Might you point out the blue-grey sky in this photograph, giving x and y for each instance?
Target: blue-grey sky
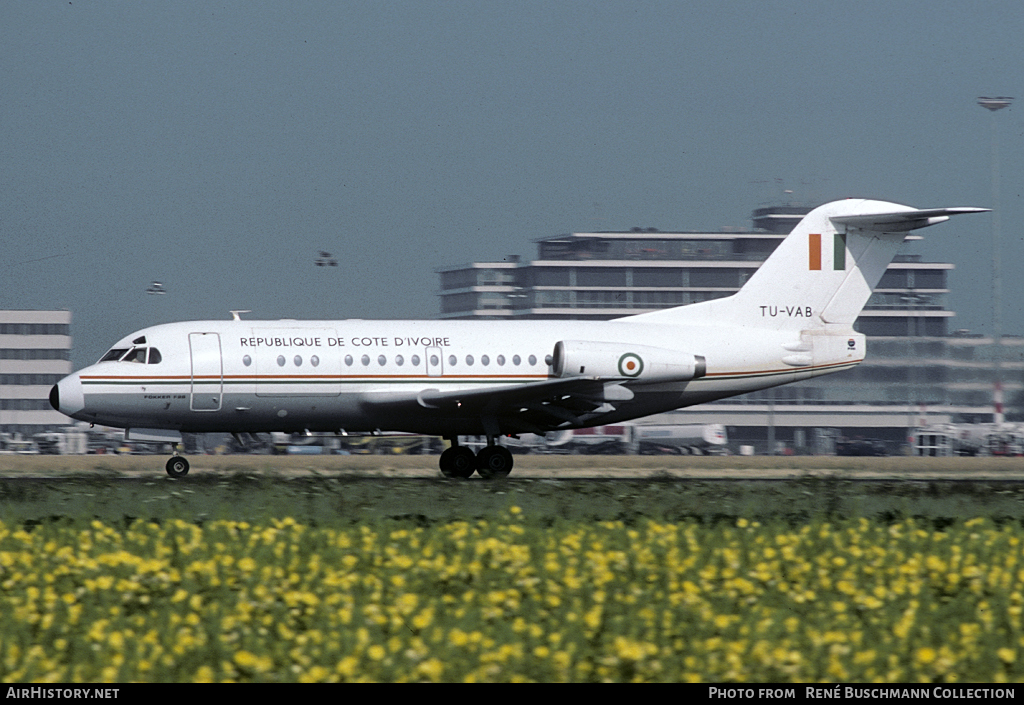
(217, 146)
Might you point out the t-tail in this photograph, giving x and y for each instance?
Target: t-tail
(821, 276)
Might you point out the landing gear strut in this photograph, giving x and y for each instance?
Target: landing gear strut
(177, 466)
(491, 462)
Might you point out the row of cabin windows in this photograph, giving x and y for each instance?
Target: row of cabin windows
(382, 360)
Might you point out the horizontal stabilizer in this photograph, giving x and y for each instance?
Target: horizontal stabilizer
(901, 221)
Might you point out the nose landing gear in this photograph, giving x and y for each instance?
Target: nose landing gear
(491, 462)
(177, 466)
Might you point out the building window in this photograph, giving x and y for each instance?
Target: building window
(551, 276)
(35, 354)
(657, 277)
(586, 276)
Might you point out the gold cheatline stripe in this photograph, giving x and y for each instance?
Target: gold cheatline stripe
(288, 379)
(234, 379)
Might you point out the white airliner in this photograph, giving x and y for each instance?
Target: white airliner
(791, 321)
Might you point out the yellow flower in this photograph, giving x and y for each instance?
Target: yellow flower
(347, 666)
(204, 674)
(432, 669)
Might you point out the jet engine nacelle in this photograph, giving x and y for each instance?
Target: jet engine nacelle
(581, 358)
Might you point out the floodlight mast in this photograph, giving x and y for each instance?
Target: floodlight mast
(994, 104)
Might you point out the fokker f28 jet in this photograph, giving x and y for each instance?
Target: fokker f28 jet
(791, 321)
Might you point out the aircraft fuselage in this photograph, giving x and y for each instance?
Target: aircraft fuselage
(256, 376)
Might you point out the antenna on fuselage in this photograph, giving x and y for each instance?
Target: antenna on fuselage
(236, 315)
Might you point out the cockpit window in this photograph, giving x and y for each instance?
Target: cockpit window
(133, 355)
(136, 355)
(114, 354)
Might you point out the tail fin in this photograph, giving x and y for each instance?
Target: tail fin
(822, 273)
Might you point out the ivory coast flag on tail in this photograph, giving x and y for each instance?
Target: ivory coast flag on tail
(838, 251)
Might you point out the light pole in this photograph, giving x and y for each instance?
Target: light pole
(993, 105)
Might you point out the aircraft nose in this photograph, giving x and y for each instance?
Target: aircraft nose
(67, 396)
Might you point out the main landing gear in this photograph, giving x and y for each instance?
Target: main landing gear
(177, 466)
(493, 461)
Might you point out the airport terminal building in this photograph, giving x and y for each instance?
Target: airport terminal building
(35, 352)
(919, 368)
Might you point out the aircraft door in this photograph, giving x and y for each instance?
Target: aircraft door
(435, 362)
(207, 371)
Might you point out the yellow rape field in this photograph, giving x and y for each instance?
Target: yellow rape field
(512, 600)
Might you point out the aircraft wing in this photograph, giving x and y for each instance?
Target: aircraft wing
(534, 407)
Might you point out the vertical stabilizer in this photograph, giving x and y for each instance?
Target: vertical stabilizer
(822, 273)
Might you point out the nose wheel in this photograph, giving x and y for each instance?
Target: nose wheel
(177, 466)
